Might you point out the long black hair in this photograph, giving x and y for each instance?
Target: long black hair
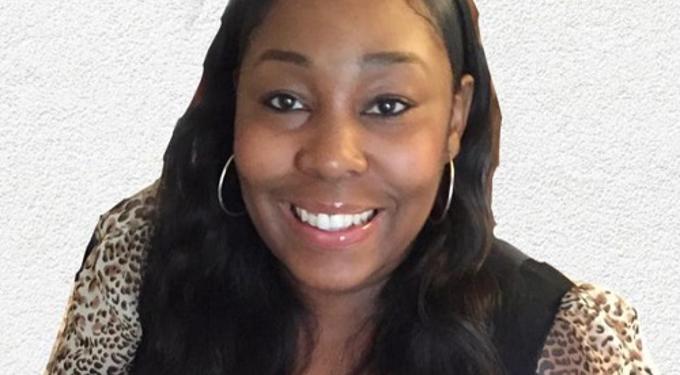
(213, 298)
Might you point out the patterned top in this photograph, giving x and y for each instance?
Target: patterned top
(594, 331)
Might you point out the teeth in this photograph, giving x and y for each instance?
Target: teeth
(333, 222)
(337, 222)
(347, 221)
(365, 216)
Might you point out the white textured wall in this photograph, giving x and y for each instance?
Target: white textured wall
(589, 176)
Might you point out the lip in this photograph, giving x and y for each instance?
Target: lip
(341, 240)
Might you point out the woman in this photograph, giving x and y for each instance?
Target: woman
(325, 208)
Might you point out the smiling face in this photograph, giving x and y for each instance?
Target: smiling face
(345, 120)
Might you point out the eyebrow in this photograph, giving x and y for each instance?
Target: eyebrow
(284, 56)
(385, 58)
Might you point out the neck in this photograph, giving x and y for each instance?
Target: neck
(339, 313)
(342, 327)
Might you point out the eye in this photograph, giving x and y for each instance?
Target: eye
(283, 102)
(389, 107)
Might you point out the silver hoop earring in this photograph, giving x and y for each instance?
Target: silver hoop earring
(219, 189)
(450, 194)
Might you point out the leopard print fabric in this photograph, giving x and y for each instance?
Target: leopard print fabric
(100, 330)
(594, 332)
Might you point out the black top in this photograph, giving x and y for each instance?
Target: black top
(531, 292)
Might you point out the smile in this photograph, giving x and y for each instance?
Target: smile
(333, 222)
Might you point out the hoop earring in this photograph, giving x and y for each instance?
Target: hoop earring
(450, 194)
(219, 190)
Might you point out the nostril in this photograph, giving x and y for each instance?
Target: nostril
(331, 163)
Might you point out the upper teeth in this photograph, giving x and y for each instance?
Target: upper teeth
(333, 222)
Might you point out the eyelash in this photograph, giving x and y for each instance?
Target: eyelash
(385, 99)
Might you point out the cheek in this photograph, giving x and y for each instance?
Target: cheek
(260, 155)
(412, 164)
(411, 170)
(262, 162)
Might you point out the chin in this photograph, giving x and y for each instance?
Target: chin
(325, 281)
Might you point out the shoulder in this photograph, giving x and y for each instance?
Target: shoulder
(100, 330)
(529, 296)
(131, 213)
(594, 331)
(563, 326)
(121, 237)
(531, 290)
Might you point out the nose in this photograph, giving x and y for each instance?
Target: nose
(333, 149)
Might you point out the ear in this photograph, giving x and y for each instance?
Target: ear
(460, 109)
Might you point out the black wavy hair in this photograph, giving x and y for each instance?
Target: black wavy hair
(214, 299)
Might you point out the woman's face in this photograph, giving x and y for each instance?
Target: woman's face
(345, 120)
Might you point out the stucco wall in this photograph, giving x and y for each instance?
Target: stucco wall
(589, 176)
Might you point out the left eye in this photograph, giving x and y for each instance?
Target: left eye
(388, 107)
(283, 102)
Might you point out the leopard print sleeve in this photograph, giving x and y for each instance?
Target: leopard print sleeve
(100, 330)
(594, 332)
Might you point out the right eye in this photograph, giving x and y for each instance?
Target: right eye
(283, 102)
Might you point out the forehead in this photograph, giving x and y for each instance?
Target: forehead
(333, 32)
